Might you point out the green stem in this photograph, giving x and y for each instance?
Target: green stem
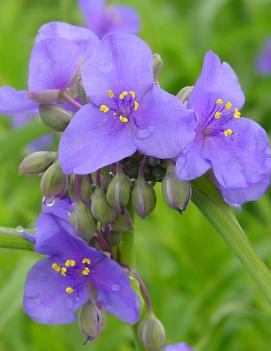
(10, 238)
(209, 201)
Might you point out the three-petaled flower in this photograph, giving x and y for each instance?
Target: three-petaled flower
(58, 285)
(235, 148)
(127, 111)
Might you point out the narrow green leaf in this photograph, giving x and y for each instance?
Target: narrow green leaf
(209, 201)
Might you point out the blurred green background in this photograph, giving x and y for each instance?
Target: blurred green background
(199, 289)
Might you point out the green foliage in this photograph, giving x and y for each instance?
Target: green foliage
(200, 291)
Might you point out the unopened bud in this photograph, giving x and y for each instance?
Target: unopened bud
(122, 223)
(157, 65)
(143, 198)
(184, 94)
(113, 238)
(55, 117)
(119, 190)
(91, 321)
(83, 221)
(152, 333)
(100, 208)
(37, 162)
(53, 181)
(177, 193)
(80, 188)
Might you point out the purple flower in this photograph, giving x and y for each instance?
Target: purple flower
(263, 60)
(178, 347)
(55, 61)
(235, 148)
(127, 111)
(59, 284)
(104, 19)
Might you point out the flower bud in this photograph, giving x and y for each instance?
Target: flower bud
(100, 208)
(53, 181)
(143, 198)
(122, 223)
(157, 65)
(46, 97)
(80, 188)
(177, 193)
(184, 94)
(152, 333)
(37, 162)
(113, 238)
(91, 321)
(118, 192)
(83, 221)
(55, 117)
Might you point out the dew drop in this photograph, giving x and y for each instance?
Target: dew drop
(49, 201)
(143, 133)
(19, 229)
(115, 287)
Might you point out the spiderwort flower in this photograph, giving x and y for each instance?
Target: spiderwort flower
(235, 148)
(56, 58)
(104, 19)
(58, 285)
(178, 347)
(126, 111)
(263, 60)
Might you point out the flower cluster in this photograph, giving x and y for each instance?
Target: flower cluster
(120, 134)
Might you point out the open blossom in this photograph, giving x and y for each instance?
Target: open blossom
(263, 60)
(235, 148)
(56, 58)
(103, 19)
(126, 110)
(178, 347)
(61, 283)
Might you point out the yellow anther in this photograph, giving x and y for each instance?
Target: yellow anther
(218, 115)
(56, 267)
(69, 290)
(86, 271)
(70, 263)
(136, 105)
(110, 93)
(86, 260)
(123, 119)
(228, 132)
(228, 105)
(219, 102)
(237, 113)
(132, 93)
(104, 108)
(63, 271)
(123, 95)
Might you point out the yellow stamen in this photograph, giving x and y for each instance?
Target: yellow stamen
(219, 102)
(123, 95)
(218, 115)
(123, 119)
(56, 267)
(86, 260)
(69, 290)
(132, 93)
(86, 271)
(110, 93)
(136, 105)
(237, 113)
(63, 271)
(70, 263)
(104, 108)
(228, 105)
(228, 132)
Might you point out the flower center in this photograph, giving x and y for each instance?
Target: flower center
(75, 271)
(123, 105)
(220, 114)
